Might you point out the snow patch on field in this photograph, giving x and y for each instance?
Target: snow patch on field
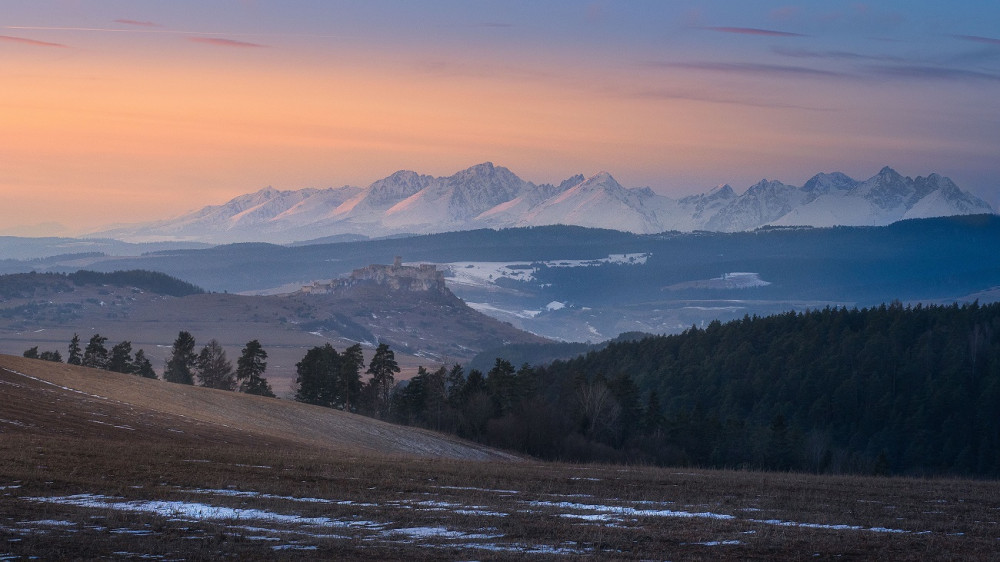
(194, 511)
(295, 530)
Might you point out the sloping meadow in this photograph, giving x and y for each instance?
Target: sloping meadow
(86, 471)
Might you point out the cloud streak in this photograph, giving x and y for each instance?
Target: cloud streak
(32, 42)
(704, 97)
(752, 68)
(833, 55)
(978, 39)
(137, 23)
(918, 72)
(754, 31)
(232, 43)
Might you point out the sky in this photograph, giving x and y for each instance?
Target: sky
(135, 110)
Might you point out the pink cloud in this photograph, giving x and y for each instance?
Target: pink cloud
(32, 42)
(754, 31)
(137, 22)
(219, 42)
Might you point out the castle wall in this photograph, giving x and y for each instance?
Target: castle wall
(396, 277)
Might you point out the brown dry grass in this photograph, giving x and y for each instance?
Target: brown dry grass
(504, 510)
(112, 404)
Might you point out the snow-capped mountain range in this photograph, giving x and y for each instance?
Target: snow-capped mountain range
(488, 196)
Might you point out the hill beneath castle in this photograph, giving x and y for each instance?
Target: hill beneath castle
(408, 308)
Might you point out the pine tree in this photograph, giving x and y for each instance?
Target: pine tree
(96, 355)
(317, 375)
(435, 397)
(250, 369)
(53, 356)
(31, 353)
(142, 367)
(182, 361)
(121, 358)
(349, 387)
(214, 370)
(382, 368)
(501, 384)
(75, 354)
(455, 383)
(652, 415)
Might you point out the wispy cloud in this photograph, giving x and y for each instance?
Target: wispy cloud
(220, 42)
(933, 73)
(836, 55)
(754, 31)
(713, 97)
(137, 23)
(32, 42)
(978, 39)
(752, 68)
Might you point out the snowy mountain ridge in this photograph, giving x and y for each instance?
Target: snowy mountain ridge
(488, 196)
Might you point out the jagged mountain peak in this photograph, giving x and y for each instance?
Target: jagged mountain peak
(886, 171)
(825, 183)
(603, 180)
(487, 195)
(262, 194)
(395, 187)
(887, 177)
(484, 170)
(571, 181)
(724, 191)
(766, 185)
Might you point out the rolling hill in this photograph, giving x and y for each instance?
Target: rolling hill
(53, 399)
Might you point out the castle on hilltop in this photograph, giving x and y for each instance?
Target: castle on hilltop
(396, 277)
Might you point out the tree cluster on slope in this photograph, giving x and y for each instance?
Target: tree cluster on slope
(331, 379)
(214, 370)
(210, 365)
(97, 356)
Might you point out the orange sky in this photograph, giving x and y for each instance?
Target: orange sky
(105, 127)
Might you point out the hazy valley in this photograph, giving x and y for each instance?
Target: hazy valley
(553, 281)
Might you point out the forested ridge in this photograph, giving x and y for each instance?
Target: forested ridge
(890, 389)
(24, 285)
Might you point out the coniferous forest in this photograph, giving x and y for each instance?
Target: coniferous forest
(887, 390)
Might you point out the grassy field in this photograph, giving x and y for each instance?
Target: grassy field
(99, 465)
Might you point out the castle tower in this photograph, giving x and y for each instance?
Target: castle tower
(398, 262)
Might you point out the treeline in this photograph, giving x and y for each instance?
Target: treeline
(152, 281)
(209, 366)
(23, 285)
(96, 355)
(892, 389)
